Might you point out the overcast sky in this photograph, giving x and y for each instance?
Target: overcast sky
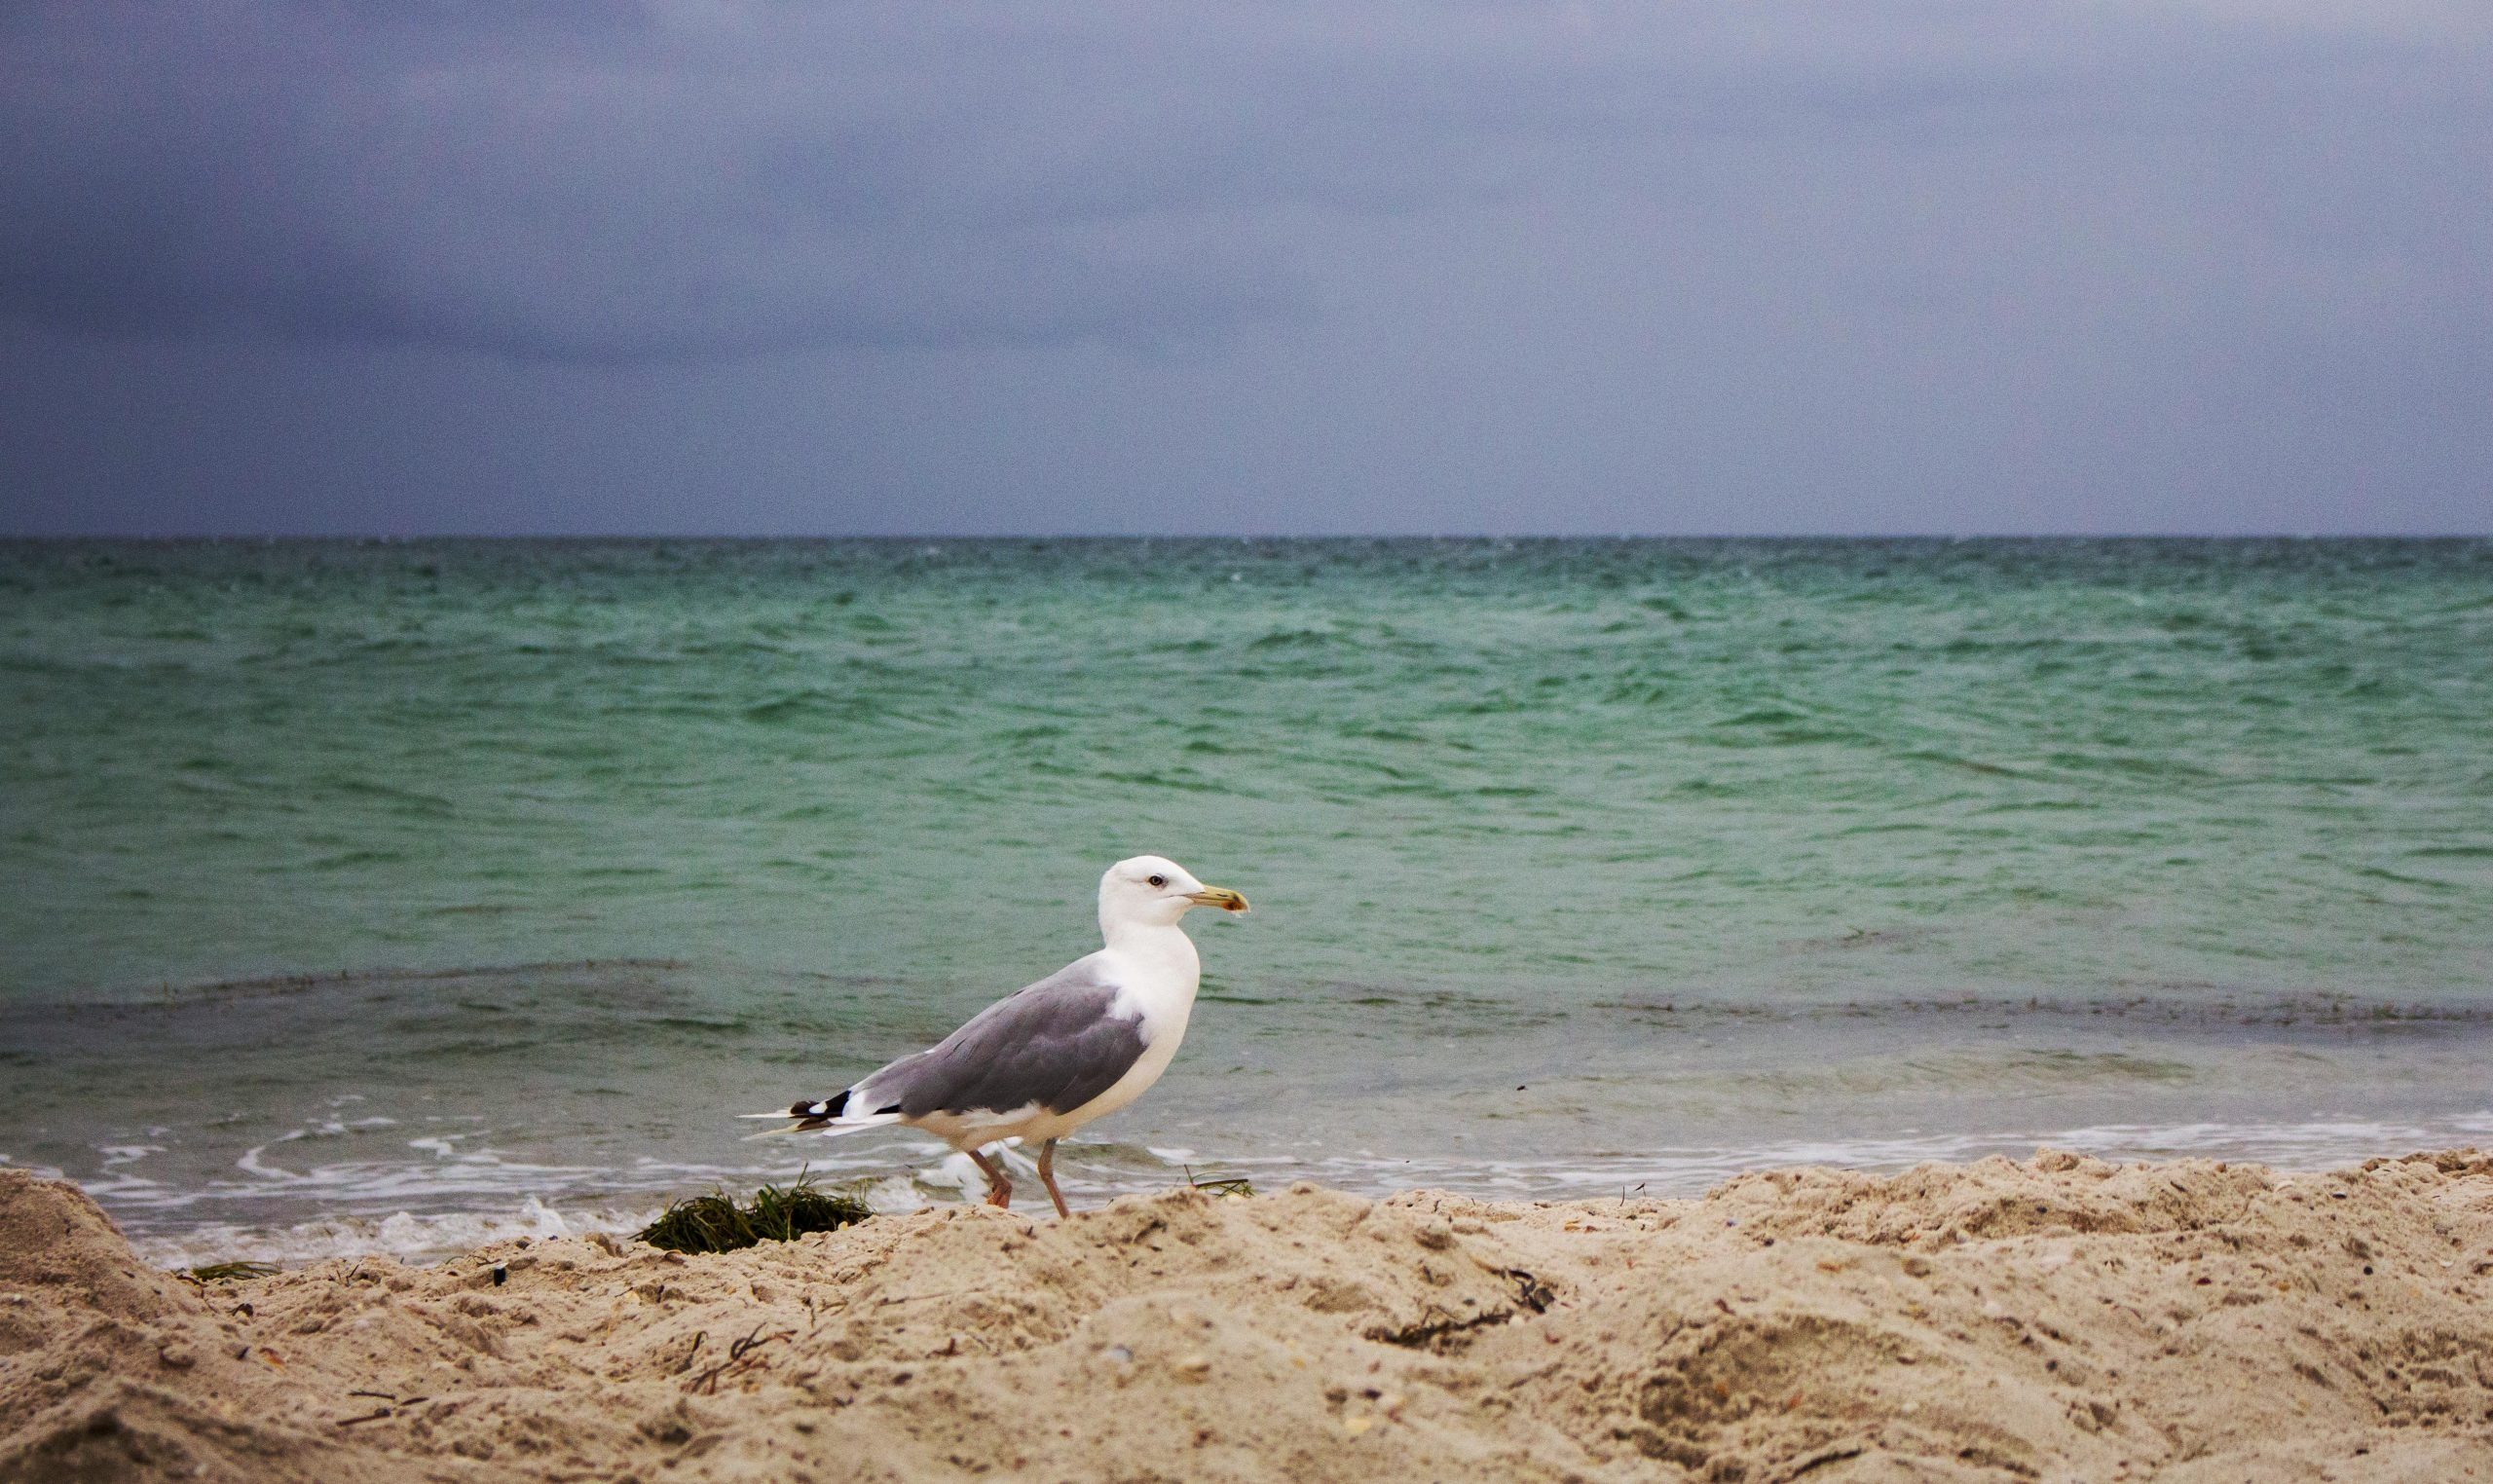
(536, 266)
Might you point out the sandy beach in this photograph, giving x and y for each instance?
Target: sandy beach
(2059, 1319)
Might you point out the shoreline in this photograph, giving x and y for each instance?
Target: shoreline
(172, 1229)
(2058, 1318)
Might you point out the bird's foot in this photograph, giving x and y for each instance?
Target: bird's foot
(999, 1185)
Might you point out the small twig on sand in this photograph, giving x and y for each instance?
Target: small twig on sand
(228, 1272)
(740, 1357)
(1219, 1185)
(741, 1347)
(699, 1336)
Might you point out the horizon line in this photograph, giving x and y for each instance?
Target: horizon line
(392, 538)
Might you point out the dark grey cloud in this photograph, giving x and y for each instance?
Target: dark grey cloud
(1365, 264)
(703, 180)
(609, 182)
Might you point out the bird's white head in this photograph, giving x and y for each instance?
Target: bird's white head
(1154, 891)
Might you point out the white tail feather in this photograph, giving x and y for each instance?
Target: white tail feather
(830, 1130)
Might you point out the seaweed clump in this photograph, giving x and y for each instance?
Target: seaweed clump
(716, 1223)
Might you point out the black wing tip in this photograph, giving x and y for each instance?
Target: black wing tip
(815, 1112)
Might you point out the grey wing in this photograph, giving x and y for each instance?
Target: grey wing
(1056, 1045)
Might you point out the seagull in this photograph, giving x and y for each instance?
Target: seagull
(1050, 1056)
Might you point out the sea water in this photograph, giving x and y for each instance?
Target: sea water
(393, 895)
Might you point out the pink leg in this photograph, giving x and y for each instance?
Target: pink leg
(999, 1190)
(1047, 1176)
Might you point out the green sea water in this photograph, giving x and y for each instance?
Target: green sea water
(441, 882)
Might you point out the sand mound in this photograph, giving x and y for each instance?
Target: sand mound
(111, 1371)
(2055, 1319)
(59, 1247)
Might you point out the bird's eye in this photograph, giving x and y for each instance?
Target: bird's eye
(1159, 881)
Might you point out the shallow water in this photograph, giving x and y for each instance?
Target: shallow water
(441, 878)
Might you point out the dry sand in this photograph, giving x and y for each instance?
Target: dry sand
(2056, 1319)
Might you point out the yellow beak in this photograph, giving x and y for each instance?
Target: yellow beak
(1218, 896)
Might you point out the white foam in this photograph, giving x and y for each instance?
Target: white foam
(955, 1173)
(401, 1235)
(460, 1199)
(894, 1196)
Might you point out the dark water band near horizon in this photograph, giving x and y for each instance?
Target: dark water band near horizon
(394, 895)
